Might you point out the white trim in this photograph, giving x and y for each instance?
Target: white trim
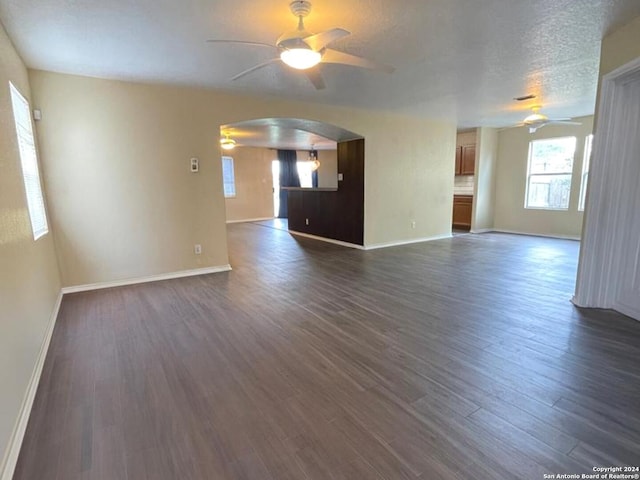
(532, 234)
(17, 436)
(246, 220)
(328, 240)
(482, 230)
(398, 243)
(150, 278)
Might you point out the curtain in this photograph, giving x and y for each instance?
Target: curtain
(288, 177)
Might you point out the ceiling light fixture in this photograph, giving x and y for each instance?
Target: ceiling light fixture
(227, 143)
(535, 117)
(313, 158)
(300, 58)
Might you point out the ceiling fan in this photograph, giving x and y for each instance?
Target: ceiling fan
(538, 120)
(303, 50)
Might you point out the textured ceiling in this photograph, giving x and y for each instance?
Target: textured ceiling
(457, 59)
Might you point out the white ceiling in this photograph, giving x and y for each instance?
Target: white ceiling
(457, 59)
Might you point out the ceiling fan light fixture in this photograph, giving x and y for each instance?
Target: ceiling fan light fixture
(227, 143)
(301, 58)
(535, 118)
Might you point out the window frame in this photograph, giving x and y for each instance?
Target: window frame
(28, 152)
(229, 160)
(548, 174)
(586, 165)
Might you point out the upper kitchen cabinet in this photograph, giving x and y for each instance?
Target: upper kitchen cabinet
(466, 153)
(468, 160)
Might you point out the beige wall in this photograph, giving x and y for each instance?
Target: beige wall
(513, 154)
(29, 280)
(125, 204)
(254, 184)
(620, 47)
(328, 170)
(485, 179)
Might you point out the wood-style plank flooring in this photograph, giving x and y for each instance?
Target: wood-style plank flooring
(460, 358)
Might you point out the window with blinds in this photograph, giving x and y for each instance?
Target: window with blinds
(228, 177)
(29, 161)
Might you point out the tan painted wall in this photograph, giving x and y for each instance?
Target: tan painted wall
(254, 183)
(29, 279)
(328, 170)
(620, 47)
(485, 179)
(123, 201)
(125, 204)
(513, 154)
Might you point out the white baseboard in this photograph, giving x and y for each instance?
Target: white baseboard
(482, 230)
(531, 234)
(376, 246)
(328, 240)
(151, 278)
(247, 220)
(15, 441)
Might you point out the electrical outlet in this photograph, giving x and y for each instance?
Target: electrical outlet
(197, 249)
(340, 177)
(306, 221)
(195, 165)
(413, 224)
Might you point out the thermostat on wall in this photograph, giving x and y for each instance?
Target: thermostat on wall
(194, 164)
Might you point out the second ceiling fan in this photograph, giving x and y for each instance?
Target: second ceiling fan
(304, 50)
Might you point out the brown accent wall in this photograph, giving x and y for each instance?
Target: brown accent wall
(337, 215)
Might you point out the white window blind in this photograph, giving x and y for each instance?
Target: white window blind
(29, 161)
(228, 177)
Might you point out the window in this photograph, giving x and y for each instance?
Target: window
(228, 177)
(305, 173)
(29, 161)
(585, 171)
(549, 173)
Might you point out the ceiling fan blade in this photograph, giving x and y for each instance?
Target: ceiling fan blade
(256, 67)
(511, 126)
(564, 122)
(258, 44)
(320, 40)
(315, 77)
(334, 56)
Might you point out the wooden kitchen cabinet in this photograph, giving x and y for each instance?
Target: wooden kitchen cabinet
(468, 160)
(462, 206)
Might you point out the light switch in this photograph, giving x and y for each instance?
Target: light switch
(340, 177)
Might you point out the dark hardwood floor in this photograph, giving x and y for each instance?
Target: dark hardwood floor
(455, 359)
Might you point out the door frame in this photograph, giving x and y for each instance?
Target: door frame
(601, 254)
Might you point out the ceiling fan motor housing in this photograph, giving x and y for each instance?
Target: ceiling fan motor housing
(294, 39)
(300, 8)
